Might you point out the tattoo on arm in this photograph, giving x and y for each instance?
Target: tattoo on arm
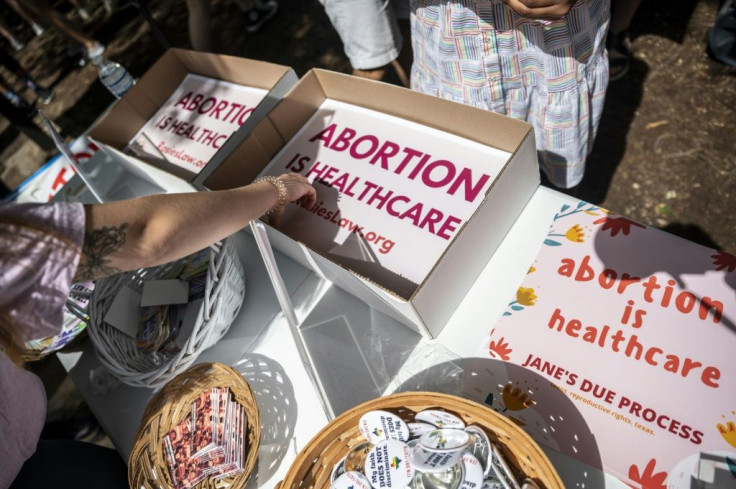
(98, 245)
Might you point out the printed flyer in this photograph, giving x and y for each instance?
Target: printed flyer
(196, 120)
(636, 329)
(392, 194)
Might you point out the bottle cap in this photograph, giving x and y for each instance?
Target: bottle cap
(354, 480)
(382, 425)
(389, 465)
(473, 472)
(445, 440)
(426, 461)
(355, 459)
(450, 478)
(441, 419)
(480, 447)
(418, 429)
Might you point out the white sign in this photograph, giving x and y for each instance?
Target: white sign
(392, 194)
(195, 121)
(54, 175)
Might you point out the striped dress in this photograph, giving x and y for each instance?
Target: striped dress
(553, 74)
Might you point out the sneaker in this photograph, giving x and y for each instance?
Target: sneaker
(83, 14)
(17, 45)
(261, 13)
(37, 28)
(45, 95)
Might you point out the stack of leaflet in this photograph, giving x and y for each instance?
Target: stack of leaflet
(210, 442)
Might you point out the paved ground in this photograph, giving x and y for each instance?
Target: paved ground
(665, 153)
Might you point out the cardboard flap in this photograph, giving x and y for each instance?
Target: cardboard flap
(119, 125)
(297, 106)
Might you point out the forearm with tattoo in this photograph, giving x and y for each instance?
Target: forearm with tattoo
(98, 245)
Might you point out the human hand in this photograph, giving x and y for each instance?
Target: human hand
(541, 9)
(298, 190)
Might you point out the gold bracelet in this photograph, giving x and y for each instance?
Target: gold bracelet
(280, 187)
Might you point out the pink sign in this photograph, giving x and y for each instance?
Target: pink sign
(636, 329)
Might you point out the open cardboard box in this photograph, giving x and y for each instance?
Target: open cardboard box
(428, 307)
(123, 121)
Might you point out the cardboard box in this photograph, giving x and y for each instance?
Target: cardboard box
(426, 307)
(125, 119)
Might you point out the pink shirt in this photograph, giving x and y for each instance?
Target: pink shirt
(36, 271)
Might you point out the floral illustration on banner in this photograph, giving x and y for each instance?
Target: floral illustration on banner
(516, 400)
(499, 348)
(617, 225)
(724, 261)
(648, 479)
(728, 431)
(576, 233)
(525, 297)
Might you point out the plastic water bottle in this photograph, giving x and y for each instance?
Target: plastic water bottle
(115, 77)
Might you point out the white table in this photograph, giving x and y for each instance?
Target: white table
(260, 346)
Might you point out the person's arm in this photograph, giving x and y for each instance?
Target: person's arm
(541, 9)
(156, 229)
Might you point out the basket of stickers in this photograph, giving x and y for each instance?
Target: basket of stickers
(150, 325)
(201, 429)
(421, 440)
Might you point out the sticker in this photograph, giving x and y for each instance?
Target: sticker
(426, 461)
(473, 472)
(418, 429)
(382, 425)
(441, 419)
(445, 440)
(480, 447)
(348, 480)
(389, 465)
(338, 469)
(355, 459)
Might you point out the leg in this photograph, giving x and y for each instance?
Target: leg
(5, 32)
(618, 42)
(15, 5)
(199, 25)
(370, 35)
(53, 17)
(622, 12)
(14, 67)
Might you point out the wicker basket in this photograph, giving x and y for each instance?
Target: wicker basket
(172, 404)
(314, 464)
(224, 292)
